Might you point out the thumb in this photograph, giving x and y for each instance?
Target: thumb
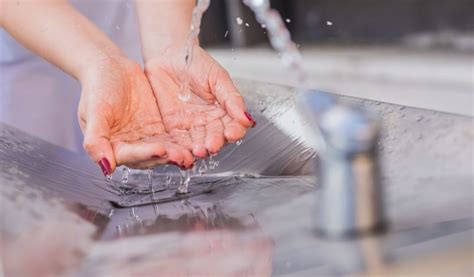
(229, 97)
(97, 144)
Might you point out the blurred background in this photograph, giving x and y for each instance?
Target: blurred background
(417, 23)
(408, 52)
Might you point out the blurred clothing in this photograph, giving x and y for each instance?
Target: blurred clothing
(40, 99)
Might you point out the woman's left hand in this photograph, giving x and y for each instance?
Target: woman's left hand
(121, 122)
(215, 111)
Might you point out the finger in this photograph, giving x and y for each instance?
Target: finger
(214, 136)
(229, 97)
(152, 163)
(198, 135)
(233, 130)
(97, 143)
(179, 156)
(182, 137)
(135, 153)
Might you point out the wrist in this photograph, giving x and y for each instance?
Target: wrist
(98, 63)
(165, 46)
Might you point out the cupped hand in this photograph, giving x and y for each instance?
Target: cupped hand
(121, 122)
(215, 111)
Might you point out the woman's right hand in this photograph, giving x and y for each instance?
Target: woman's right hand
(120, 119)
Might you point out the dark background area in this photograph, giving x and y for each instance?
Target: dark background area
(354, 21)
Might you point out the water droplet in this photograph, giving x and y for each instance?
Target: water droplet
(239, 21)
(288, 20)
(247, 25)
(184, 96)
(264, 26)
(329, 23)
(150, 181)
(239, 142)
(125, 174)
(213, 164)
(203, 167)
(117, 27)
(184, 182)
(108, 177)
(226, 33)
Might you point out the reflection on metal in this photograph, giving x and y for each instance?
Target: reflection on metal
(351, 198)
(427, 172)
(196, 218)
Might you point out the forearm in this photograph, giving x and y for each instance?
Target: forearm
(164, 24)
(54, 30)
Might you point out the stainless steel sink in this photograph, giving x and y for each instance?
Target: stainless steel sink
(266, 188)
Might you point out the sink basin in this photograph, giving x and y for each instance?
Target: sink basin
(263, 193)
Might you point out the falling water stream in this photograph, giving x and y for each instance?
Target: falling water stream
(280, 37)
(201, 7)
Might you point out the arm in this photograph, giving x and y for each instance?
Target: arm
(117, 107)
(54, 30)
(163, 24)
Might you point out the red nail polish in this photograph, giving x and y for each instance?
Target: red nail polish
(105, 166)
(250, 118)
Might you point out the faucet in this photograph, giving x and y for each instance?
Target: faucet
(350, 199)
(350, 196)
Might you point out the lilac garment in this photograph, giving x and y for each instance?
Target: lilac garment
(39, 98)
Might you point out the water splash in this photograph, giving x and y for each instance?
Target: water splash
(202, 169)
(108, 177)
(125, 175)
(168, 181)
(213, 163)
(201, 6)
(150, 181)
(239, 142)
(133, 214)
(184, 182)
(279, 36)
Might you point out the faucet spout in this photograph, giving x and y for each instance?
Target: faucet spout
(350, 199)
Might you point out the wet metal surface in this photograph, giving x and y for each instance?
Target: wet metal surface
(261, 199)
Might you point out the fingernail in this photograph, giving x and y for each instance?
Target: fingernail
(105, 166)
(250, 118)
(182, 167)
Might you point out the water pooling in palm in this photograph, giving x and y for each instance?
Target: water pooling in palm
(200, 106)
